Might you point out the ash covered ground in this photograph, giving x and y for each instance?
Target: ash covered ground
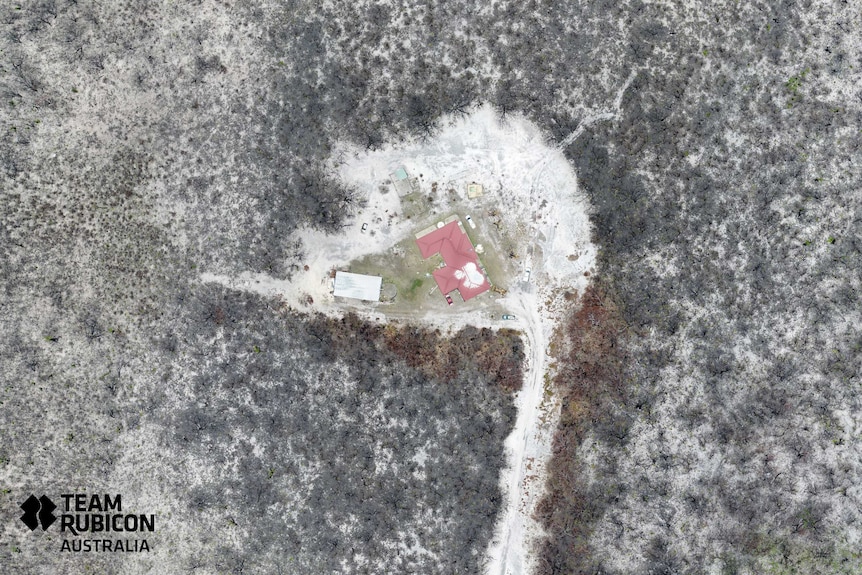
(145, 145)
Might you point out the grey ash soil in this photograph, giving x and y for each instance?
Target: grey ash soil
(140, 146)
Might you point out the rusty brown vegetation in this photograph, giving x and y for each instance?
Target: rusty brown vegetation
(498, 355)
(590, 381)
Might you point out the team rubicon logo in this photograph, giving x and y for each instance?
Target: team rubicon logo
(91, 522)
(38, 512)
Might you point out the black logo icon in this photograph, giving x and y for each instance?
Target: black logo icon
(38, 512)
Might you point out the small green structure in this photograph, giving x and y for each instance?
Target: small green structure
(474, 190)
(403, 183)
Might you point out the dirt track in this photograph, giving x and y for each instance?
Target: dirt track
(555, 242)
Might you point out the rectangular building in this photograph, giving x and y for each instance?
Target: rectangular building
(357, 286)
(403, 183)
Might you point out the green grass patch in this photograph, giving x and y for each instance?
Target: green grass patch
(403, 267)
(411, 275)
(414, 285)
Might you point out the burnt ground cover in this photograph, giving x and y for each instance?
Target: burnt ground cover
(141, 146)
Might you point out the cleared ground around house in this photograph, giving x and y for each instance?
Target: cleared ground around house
(530, 216)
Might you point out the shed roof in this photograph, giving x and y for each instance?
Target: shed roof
(357, 286)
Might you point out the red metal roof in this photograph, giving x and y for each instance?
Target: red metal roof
(462, 271)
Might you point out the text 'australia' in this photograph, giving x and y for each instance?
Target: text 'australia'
(84, 514)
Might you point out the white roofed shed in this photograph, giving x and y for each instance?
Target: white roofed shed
(357, 286)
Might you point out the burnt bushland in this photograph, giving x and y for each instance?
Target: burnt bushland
(350, 437)
(590, 382)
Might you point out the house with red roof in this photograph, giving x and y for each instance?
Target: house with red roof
(462, 270)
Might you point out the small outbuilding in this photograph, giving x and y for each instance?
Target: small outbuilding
(403, 183)
(357, 286)
(474, 190)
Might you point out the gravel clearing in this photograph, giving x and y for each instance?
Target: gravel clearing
(509, 155)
